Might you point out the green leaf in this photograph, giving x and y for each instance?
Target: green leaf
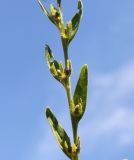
(59, 3)
(80, 5)
(77, 16)
(43, 8)
(61, 136)
(80, 94)
(53, 65)
(45, 11)
(49, 56)
(76, 20)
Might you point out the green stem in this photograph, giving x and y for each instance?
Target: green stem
(75, 158)
(65, 50)
(75, 127)
(69, 95)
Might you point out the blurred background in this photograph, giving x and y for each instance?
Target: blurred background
(105, 41)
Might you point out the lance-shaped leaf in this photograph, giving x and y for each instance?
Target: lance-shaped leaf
(51, 62)
(75, 21)
(61, 136)
(46, 12)
(80, 94)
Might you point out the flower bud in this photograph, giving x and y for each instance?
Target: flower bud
(52, 9)
(58, 72)
(68, 69)
(74, 148)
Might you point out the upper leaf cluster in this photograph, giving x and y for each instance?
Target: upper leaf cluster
(69, 30)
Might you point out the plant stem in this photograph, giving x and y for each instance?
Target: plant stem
(65, 50)
(69, 95)
(75, 126)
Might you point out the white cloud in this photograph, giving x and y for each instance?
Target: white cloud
(118, 83)
(119, 120)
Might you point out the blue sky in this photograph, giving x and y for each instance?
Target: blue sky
(105, 41)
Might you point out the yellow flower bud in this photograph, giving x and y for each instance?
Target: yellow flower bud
(74, 148)
(52, 9)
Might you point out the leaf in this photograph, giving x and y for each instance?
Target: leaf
(77, 16)
(61, 136)
(43, 8)
(59, 3)
(80, 94)
(45, 11)
(49, 56)
(53, 65)
(76, 20)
